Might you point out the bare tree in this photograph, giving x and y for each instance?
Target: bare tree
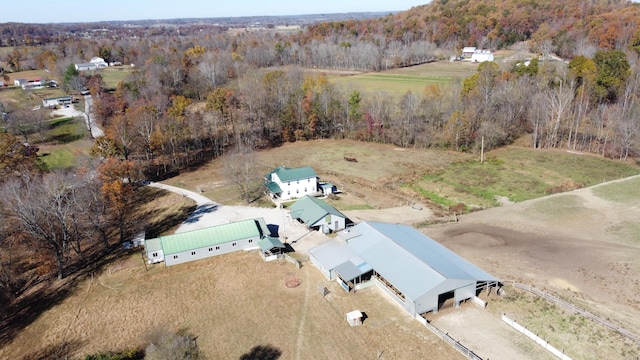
(240, 166)
(44, 209)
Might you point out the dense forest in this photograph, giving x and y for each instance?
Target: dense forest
(199, 91)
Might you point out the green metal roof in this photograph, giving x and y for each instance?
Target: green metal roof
(310, 209)
(273, 187)
(269, 243)
(264, 229)
(215, 235)
(286, 174)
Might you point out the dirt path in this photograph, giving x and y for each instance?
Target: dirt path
(300, 340)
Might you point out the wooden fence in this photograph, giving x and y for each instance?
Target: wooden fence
(577, 310)
(449, 340)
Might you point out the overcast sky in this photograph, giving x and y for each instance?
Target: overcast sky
(49, 11)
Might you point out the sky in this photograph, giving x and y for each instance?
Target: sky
(48, 11)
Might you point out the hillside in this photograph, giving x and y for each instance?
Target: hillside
(500, 23)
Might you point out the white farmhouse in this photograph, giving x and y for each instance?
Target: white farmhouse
(291, 183)
(482, 56)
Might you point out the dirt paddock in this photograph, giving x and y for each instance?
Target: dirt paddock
(579, 246)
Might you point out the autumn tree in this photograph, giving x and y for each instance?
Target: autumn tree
(119, 179)
(16, 158)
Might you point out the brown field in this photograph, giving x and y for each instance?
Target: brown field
(232, 303)
(379, 167)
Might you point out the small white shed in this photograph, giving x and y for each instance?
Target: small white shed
(354, 318)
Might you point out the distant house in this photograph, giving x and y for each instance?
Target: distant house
(28, 84)
(203, 243)
(57, 101)
(291, 183)
(317, 214)
(482, 56)
(468, 51)
(94, 64)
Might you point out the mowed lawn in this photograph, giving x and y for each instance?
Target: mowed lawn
(114, 75)
(397, 82)
(232, 303)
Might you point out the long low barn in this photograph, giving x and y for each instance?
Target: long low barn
(413, 269)
(203, 243)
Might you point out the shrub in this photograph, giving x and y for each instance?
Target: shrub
(166, 345)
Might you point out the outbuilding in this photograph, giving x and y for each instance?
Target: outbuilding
(57, 101)
(271, 248)
(317, 214)
(339, 262)
(408, 266)
(413, 269)
(203, 243)
(482, 56)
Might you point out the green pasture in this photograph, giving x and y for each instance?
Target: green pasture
(518, 174)
(625, 192)
(66, 143)
(397, 82)
(114, 75)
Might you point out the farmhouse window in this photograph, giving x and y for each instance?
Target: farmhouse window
(193, 253)
(217, 247)
(298, 182)
(288, 192)
(210, 249)
(250, 240)
(155, 254)
(175, 256)
(289, 183)
(305, 189)
(233, 244)
(297, 191)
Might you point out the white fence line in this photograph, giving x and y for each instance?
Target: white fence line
(577, 310)
(449, 340)
(536, 338)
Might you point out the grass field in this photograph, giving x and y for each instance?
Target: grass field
(113, 75)
(386, 176)
(66, 156)
(396, 82)
(518, 174)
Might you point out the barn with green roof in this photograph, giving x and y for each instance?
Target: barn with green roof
(203, 243)
(317, 214)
